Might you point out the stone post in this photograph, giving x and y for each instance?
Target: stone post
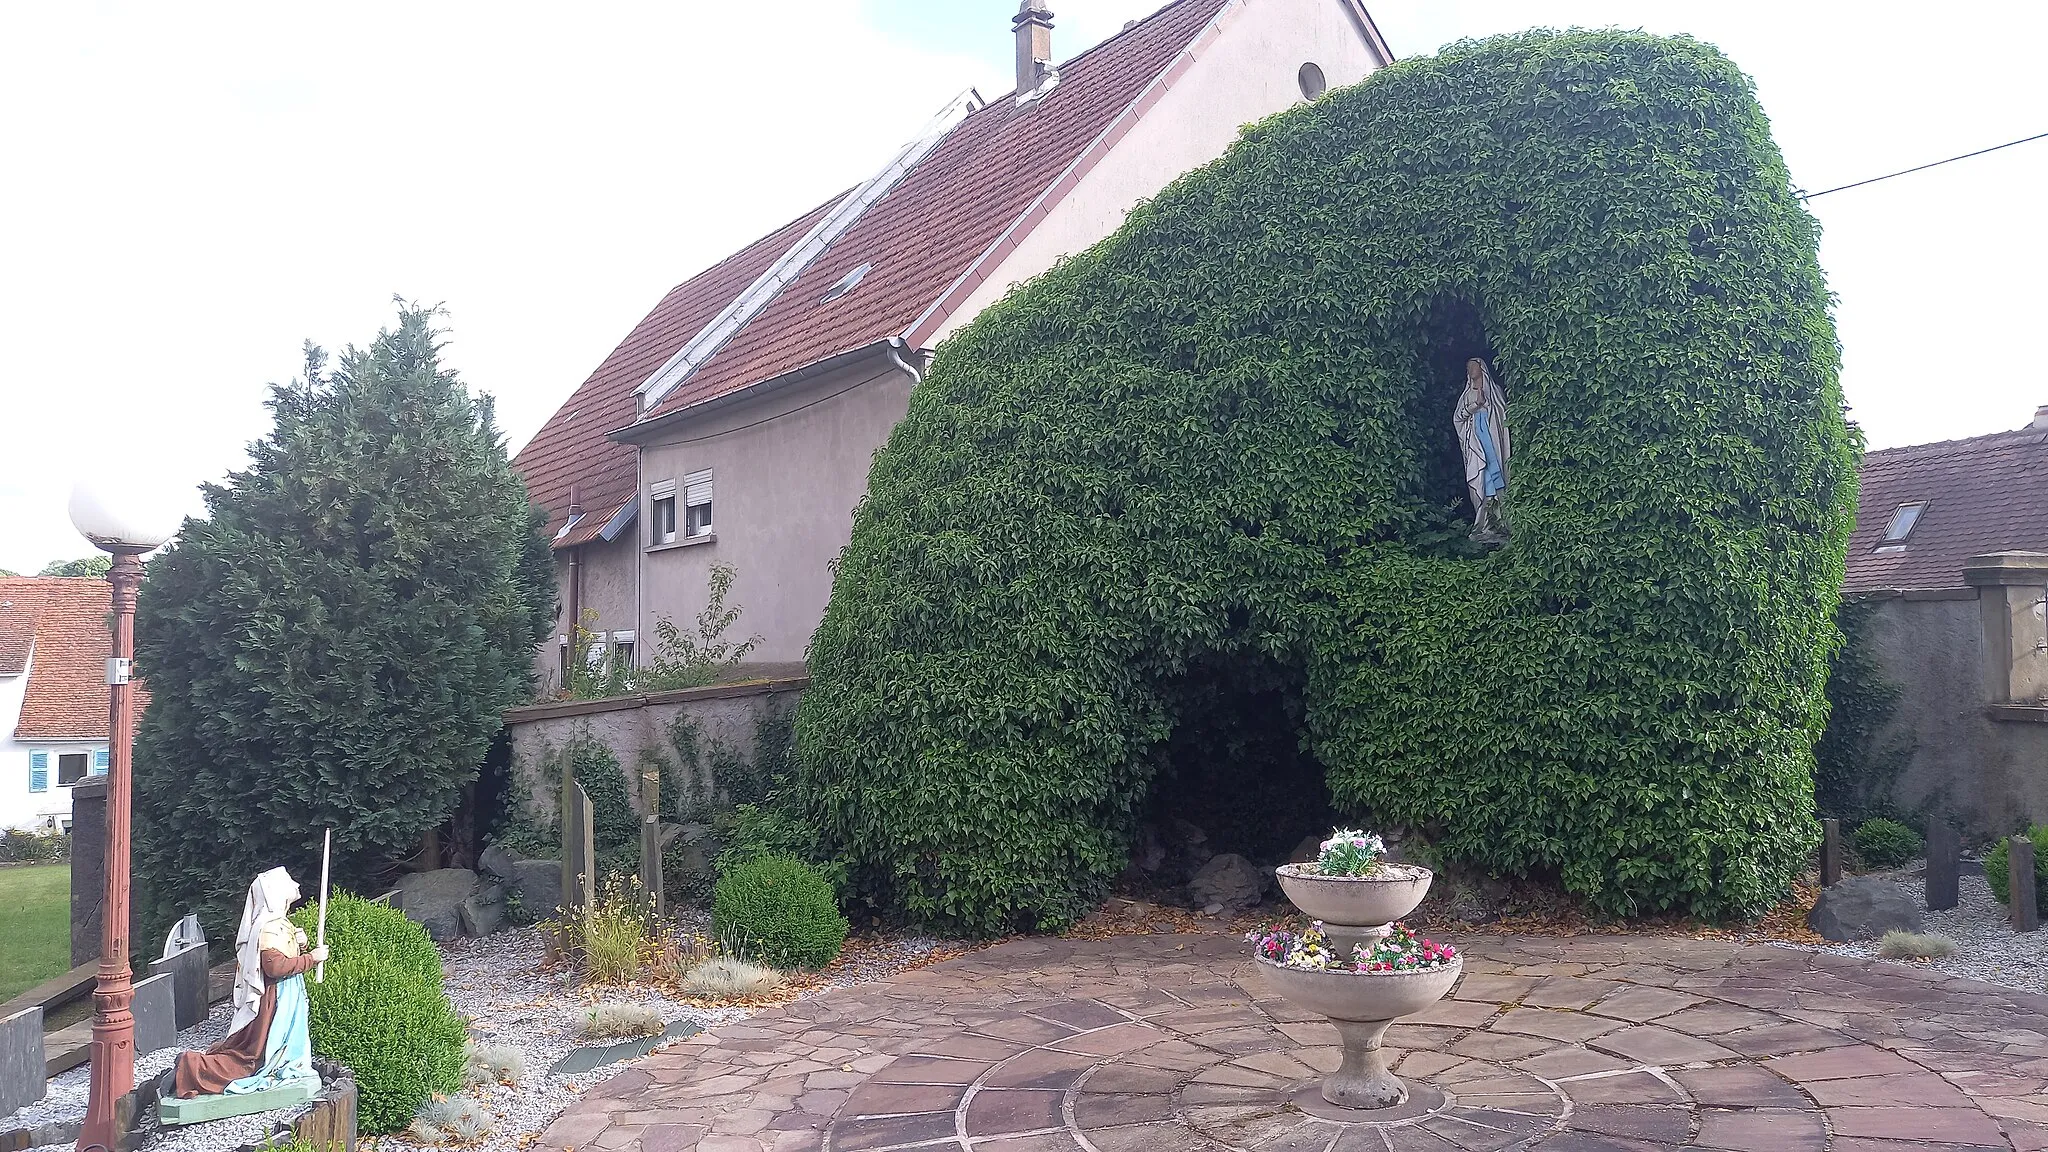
(650, 839)
(88, 866)
(1830, 853)
(579, 848)
(22, 1074)
(2025, 912)
(1944, 864)
(2014, 598)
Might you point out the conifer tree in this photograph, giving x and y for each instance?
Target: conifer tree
(335, 642)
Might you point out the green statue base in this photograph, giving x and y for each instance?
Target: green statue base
(172, 1111)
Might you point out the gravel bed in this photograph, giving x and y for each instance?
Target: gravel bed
(1986, 946)
(498, 982)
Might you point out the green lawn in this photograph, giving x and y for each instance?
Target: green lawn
(35, 904)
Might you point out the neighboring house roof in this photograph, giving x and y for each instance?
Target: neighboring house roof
(64, 623)
(964, 206)
(1983, 494)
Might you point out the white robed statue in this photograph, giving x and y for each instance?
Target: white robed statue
(1481, 419)
(267, 1045)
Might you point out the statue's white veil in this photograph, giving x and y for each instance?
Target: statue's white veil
(271, 895)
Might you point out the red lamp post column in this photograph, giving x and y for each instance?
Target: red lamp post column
(113, 1026)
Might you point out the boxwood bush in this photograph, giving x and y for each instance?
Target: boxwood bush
(1886, 843)
(1225, 432)
(779, 911)
(381, 1010)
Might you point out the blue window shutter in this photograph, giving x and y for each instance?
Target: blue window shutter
(39, 771)
(99, 762)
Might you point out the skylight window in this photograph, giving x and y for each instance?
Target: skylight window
(846, 284)
(1902, 523)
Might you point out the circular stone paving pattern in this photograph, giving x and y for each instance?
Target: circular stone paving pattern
(1160, 1044)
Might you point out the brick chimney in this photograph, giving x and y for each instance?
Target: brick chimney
(1033, 24)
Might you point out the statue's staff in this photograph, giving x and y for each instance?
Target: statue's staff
(320, 928)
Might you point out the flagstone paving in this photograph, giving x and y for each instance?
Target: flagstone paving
(1164, 1043)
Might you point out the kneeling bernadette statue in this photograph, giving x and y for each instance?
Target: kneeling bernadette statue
(267, 1045)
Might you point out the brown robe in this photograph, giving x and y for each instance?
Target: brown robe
(240, 1053)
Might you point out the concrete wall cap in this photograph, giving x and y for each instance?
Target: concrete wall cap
(2006, 568)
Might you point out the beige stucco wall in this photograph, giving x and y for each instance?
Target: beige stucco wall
(608, 583)
(786, 473)
(1246, 74)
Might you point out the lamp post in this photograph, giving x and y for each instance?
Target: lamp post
(126, 534)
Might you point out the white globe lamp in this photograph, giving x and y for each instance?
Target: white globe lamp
(132, 521)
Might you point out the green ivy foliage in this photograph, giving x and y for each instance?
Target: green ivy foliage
(334, 644)
(1857, 758)
(1225, 432)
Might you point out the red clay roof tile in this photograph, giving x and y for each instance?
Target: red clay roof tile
(67, 672)
(1983, 494)
(919, 238)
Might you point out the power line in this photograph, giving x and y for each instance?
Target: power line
(1921, 168)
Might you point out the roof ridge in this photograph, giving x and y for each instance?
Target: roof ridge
(1934, 446)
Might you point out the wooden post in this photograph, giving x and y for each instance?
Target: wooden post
(1830, 853)
(567, 813)
(2025, 912)
(1944, 865)
(650, 839)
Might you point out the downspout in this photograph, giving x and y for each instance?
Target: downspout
(896, 348)
(575, 612)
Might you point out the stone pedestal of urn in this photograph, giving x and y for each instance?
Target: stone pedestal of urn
(1357, 910)
(1362, 1005)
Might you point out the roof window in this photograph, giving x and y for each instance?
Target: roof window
(1903, 520)
(847, 283)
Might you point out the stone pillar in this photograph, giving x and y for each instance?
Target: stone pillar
(88, 866)
(2014, 596)
(22, 1074)
(187, 970)
(2025, 912)
(1944, 864)
(155, 1008)
(579, 848)
(1830, 853)
(650, 839)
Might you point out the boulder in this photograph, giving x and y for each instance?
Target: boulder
(1147, 853)
(433, 900)
(1863, 908)
(1227, 883)
(497, 860)
(1310, 848)
(538, 884)
(480, 917)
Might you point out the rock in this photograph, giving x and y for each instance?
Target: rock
(1310, 848)
(498, 861)
(538, 884)
(433, 900)
(480, 917)
(1863, 908)
(1212, 909)
(1228, 882)
(1190, 841)
(1148, 854)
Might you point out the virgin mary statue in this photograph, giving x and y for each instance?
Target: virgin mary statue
(1481, 419)
(267, 1045)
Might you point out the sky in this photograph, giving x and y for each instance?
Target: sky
(189, 193)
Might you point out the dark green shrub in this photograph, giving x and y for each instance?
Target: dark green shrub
(1998, 868)
(1225, 432)
(381, 1010)
(779, 911)
(1886, 843)
(39, 847)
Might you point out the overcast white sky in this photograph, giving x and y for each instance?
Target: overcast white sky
(188, 192)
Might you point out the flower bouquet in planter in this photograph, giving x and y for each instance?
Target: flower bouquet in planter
(1400, 950)
(1352, 889)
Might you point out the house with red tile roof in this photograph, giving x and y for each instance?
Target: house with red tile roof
(735, 424)
(54, 644)
(1948, 575)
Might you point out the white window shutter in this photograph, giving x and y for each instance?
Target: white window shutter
(697, 488)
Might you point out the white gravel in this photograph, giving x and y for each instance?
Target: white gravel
(1986, 946)
(498, 982)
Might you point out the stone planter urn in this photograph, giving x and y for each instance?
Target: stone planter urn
(1356, 910)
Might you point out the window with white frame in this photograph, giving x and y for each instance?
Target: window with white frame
(661, 526)
(697, 503)
(622, 649)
